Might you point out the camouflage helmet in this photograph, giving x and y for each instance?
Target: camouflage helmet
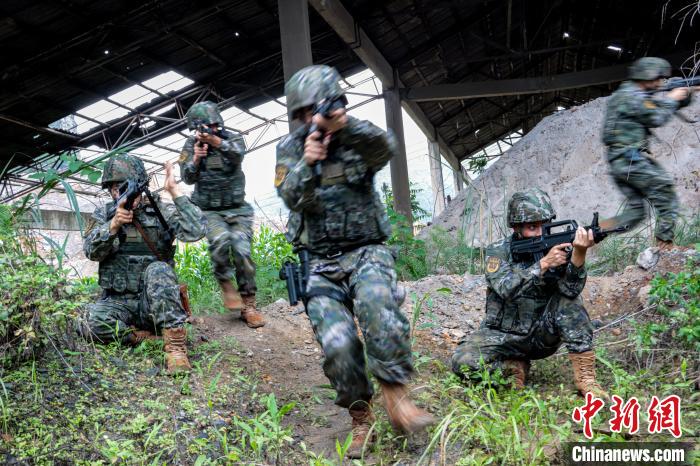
(530, 206)
(311, 85)
(649, 69)
(120, 167)
(206, 112)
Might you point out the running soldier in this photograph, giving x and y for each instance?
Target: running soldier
(211, 160)
(326, 179)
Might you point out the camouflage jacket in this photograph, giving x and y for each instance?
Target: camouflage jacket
(219, 182)
(516, 294)
(630, 113)
(123, 257)
(340, 209)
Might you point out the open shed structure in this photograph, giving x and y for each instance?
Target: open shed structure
(469, 72)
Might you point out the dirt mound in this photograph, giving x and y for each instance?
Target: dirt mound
(445, 308)
(564, 155)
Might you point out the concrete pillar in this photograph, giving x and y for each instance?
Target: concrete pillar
(296, 39)
(398, 165)
(436, 178)
(459, 183)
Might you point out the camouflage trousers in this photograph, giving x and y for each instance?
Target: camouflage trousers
(359, 284)
(563, 320)
(158, 306)
(230, 235)
(642, 178)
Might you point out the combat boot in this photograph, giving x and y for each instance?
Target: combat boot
(137, 336)
(250, 314)
(664, 245)
(232, 298)
(176, 350)
(403, 414)
(518, 369)
(584, 374)
(362, 420)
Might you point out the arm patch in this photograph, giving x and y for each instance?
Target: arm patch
(493, 263)
(280, 173)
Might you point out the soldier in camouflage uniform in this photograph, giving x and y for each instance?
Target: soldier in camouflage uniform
(632, 110)
(326, 179)
(211, 160)
(529, 315)
(141, 295)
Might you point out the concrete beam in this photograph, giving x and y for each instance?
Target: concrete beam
(398, 165)
(536, 85)
(60, 220)
(458, 182)
(296, 40)
(345, 26)
(436, 178)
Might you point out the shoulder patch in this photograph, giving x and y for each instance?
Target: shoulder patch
(649, 105)
(183, 157)
(280, 173)
(493, 263)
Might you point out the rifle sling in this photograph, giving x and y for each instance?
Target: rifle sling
(147, 240)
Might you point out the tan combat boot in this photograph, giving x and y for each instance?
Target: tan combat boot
(250, 314)
(362, 420)
(403, 414)
(232, 299)
(518, 369)
(176, 350)
(664, 245)
(138, 336)
(584, 374)
(607, 224)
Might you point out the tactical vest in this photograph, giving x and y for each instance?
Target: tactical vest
(351, 213)
(122, 271)
(516, 315)
(622, 131)
(221, 182)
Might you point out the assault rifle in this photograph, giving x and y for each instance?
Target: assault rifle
(203, 128)
(296, 274)
(325, 108)
(536, 248)
(129, 191)
(675, 82)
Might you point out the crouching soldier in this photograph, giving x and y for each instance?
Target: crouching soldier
(141, 295)
(211, 160)
(528, 315)
(326, 178)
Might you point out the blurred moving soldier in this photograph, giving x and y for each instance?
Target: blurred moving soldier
(632, 110)
(211, 160)
(141, 295)
(326, 179)
(529, 315)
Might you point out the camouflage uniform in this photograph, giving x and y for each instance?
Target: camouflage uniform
(527, 317)
(219, 190)
(341, 220)
(631, 112)
(138, 288)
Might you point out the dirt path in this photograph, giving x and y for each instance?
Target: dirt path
(285, 357)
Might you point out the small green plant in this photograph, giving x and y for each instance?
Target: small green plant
(264, 435)
(677, 300)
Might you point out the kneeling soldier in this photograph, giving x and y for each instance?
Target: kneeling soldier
(141, 295)
(529, 315)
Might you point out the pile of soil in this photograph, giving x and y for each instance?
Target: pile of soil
(564, 155)
(287, 358)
